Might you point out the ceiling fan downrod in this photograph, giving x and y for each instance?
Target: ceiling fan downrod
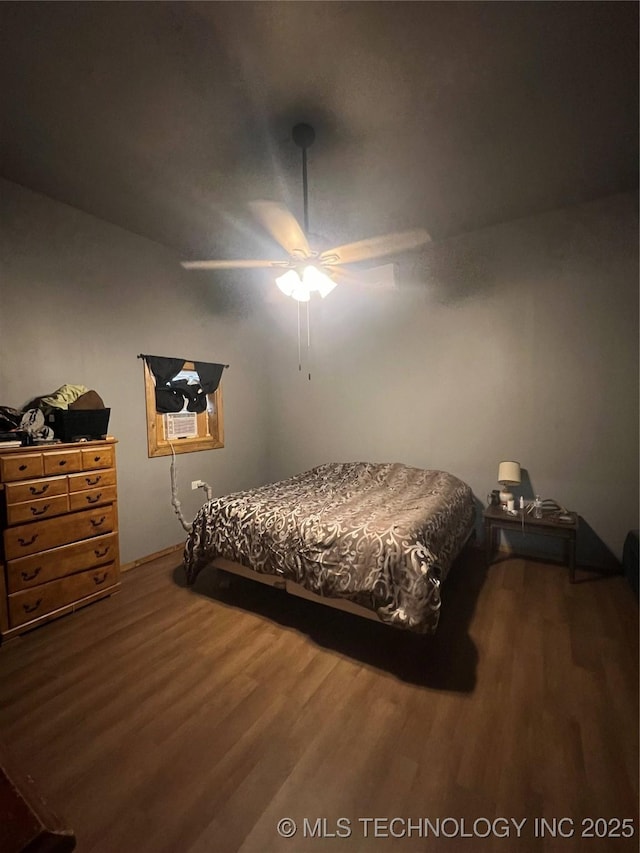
(303, 136)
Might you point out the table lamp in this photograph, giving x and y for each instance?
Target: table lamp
(508, 475)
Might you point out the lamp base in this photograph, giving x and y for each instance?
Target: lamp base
(505, 496)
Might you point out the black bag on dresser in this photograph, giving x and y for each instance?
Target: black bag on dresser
(74, 424)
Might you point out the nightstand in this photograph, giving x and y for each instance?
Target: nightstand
(496, 518)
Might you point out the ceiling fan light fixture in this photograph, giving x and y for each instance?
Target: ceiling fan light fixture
(301, 284)
(315, 279)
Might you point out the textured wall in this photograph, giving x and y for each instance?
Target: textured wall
(79, 299)
(515, 342)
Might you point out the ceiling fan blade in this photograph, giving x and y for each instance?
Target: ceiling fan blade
(228, 265)
(375, 247)
(342, 275)
(378, 278)
(282, 225)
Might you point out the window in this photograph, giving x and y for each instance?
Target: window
(186, 430)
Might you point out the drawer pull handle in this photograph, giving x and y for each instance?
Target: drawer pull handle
(29, 608)
(96, 458)
(97, 522)
(34, 574)
(22, 467)
(95, 499)
(102, 553)
(25, 542)
(35, 491)
(92, 481)
(98, 579)
(62, 462)
(42, 511)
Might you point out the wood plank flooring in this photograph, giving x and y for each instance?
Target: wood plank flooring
(176, 720)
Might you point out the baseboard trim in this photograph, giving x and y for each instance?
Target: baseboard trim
(126, 567)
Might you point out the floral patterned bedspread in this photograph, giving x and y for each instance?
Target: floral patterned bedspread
(383, 535)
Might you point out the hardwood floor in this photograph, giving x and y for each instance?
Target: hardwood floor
(176, 720)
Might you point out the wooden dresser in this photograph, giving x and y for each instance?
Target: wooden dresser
(59, 512)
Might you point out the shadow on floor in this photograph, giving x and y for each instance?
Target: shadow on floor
(445, 661)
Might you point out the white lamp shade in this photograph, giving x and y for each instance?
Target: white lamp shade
(301, 292)
(288, 282)
(314, 279)
(509, 473)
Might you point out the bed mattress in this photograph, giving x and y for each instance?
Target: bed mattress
(381, 535)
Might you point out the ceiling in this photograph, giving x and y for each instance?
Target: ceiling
(166, 118)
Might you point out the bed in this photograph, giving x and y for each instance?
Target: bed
(377, 539)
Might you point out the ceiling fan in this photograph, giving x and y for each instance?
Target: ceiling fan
(307, 270)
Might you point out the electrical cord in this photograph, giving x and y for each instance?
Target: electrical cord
(175, 502)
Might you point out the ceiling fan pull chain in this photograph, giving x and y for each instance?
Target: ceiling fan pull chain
(309, 338)
(299, 357)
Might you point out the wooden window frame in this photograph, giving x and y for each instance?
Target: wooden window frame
(210, 424)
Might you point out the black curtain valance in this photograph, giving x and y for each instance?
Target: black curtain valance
(171, 393)
(164, 369)
(209, 375)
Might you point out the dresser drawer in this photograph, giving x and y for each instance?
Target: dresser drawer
(97, 457)
(31, 489)
(41, 508)
(92, 497)
(40, 535)
(20, 466)
(28, 604)
(58, 562)
(61, 461)
(92, 479)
